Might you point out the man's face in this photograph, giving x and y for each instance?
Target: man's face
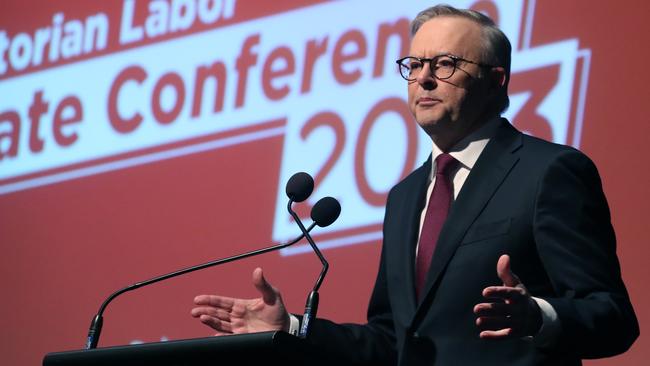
(448, 109)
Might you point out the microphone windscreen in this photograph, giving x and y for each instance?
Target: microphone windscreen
(300, 186)
(326, 211)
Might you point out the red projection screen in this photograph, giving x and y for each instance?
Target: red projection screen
(139, 137)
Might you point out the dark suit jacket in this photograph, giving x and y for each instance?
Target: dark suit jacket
(539, 202)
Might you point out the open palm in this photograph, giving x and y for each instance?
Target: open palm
(229, 315)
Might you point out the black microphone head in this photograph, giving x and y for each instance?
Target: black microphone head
(300, 186)
(326, 211)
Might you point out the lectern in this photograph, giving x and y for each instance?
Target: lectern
(243, 349)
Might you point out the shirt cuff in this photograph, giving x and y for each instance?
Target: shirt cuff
(294, 324)
(551, 326)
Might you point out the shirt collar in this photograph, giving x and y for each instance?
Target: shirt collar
(467, 150)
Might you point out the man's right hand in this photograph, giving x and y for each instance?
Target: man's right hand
(227, 315)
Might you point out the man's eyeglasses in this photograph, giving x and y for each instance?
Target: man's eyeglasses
(442, 67)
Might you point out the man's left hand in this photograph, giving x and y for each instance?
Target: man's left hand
(511, 312)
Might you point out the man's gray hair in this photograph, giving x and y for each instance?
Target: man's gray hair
(496, 46)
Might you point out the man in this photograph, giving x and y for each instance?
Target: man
(499, 203)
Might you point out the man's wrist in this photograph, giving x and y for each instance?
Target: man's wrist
(551, 326)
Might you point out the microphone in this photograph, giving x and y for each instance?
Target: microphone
(299, 188)
(324, 213)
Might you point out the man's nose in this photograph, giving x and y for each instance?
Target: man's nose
(426, 78)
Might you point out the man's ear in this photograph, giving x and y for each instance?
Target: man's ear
(497, 77)
(496, 80)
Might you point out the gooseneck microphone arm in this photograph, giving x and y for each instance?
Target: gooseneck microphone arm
(305, 232)
(96, 324)
(311, 305)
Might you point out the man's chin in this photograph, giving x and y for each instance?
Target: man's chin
(433, 126)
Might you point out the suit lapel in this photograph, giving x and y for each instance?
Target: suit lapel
(494, 164)
(411, 202)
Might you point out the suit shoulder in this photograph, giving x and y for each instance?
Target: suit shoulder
(542, 151)
(552, 162)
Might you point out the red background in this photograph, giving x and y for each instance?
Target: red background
(66, 246)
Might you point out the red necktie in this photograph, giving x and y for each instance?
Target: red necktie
(439, 203)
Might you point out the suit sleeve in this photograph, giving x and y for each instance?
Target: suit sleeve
(577, 246)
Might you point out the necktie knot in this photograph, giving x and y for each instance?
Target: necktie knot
(444, 164)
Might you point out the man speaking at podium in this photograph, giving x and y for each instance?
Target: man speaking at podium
(497, 251)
